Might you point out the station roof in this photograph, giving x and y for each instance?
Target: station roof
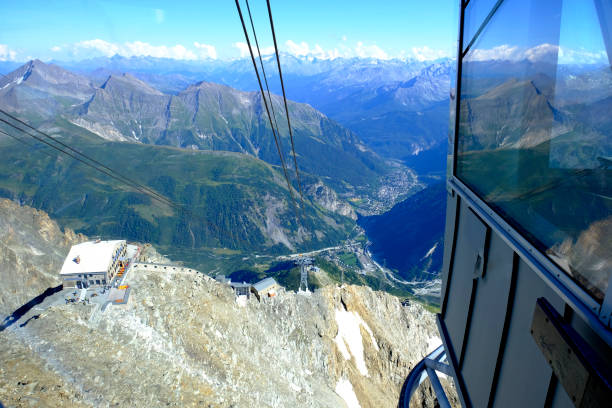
(90, 257)
(236, 285)
(264, 284)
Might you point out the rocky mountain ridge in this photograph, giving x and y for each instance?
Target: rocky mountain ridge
(360, 93)
(183, 340)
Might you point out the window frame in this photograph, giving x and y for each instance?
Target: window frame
(598, 315)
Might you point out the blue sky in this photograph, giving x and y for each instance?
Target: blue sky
(199, 29)
(75, 30)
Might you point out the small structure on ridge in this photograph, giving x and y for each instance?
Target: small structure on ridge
(241, 289)
(265, 287)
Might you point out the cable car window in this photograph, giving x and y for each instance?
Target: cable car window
(475, 14)
(535, 129)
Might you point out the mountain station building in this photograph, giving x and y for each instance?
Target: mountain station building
(93, 263)
(266, 287)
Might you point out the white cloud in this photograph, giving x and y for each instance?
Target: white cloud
(160, 15)
(370, 51)
(568, 56)
(198, 50)
(303, 49)
(56, 48)
(205, 50)
(427, 54)
(104, 47)
(539, 52)
(243, 48)
(266, 50)
(499, 53)
(542, 51)
(298, 49)
(360, 50)
(140, 48)
(6, 54)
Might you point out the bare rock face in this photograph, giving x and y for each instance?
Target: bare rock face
(183, 340)
(27, 380)
(32, 250)
(328, 199)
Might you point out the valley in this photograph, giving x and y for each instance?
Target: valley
(300, 204)
(214, 158)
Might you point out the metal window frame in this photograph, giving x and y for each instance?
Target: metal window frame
(598, 316)
(427, 368)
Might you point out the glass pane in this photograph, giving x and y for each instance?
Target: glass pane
(535, 130)
(475, 13)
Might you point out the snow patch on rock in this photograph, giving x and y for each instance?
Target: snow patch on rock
(35, 251)
(431, 251)
(349, 334)
(344, 388)
(433, 343)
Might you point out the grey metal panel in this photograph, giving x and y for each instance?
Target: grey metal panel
(470, 240)
(487, 322)
(452, 362)
(452, 200)
(562, 284)
(525, 374)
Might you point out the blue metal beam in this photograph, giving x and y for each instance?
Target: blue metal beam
(427, 368)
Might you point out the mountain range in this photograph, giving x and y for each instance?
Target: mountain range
(204, 116)
(544, 137)
(362, 94)
(209, 149)
(185, 117)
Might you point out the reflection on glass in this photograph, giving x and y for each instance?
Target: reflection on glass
(451, 126)
(535, 132)
(475, 14)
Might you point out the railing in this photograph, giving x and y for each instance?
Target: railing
(427, 368)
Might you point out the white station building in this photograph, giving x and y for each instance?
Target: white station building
(93, 263)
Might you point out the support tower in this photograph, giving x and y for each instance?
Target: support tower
(304, 263)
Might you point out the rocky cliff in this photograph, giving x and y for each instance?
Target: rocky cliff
(328, 199)
(183, 340)
(32, 250)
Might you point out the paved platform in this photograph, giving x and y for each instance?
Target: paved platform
(119, 296)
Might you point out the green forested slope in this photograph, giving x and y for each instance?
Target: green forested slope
(231, 200)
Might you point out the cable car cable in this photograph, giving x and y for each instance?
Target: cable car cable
(33, 146)
(280, 74)
(263, 72)
(246, 35)
(155, 196)
(79, 153)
